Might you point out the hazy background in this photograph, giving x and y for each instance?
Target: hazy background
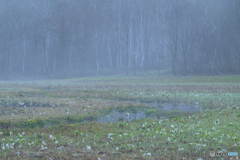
(76, 38)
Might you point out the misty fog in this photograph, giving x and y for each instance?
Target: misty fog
(65, 38)
(119, 79)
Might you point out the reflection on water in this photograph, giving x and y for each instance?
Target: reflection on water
(128, 116)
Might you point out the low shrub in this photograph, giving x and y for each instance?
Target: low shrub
(74, 119)
(5, 124)
(33, 123)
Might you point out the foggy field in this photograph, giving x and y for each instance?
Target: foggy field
(119, 79)
(62, 119)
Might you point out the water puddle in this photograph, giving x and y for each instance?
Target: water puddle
(125, 116)
(115, 116)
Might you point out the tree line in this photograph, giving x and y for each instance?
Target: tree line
(83, 37)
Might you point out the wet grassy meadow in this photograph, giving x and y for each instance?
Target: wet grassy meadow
(141, 117)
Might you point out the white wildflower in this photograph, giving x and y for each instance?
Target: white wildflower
(60, 147)
(147, 154)
(18, 153)
(180, 149)
(89, 148)
(44, 143)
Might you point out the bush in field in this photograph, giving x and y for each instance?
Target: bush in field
(33, 123)
(73, 119)
(41, 123)
(6, 133)
(91, 116)
(5, 124)
(151, 112)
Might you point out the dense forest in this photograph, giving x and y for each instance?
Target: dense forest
(64, 38)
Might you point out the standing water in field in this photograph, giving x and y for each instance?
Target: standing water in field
(125, 116)
(158, 110)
